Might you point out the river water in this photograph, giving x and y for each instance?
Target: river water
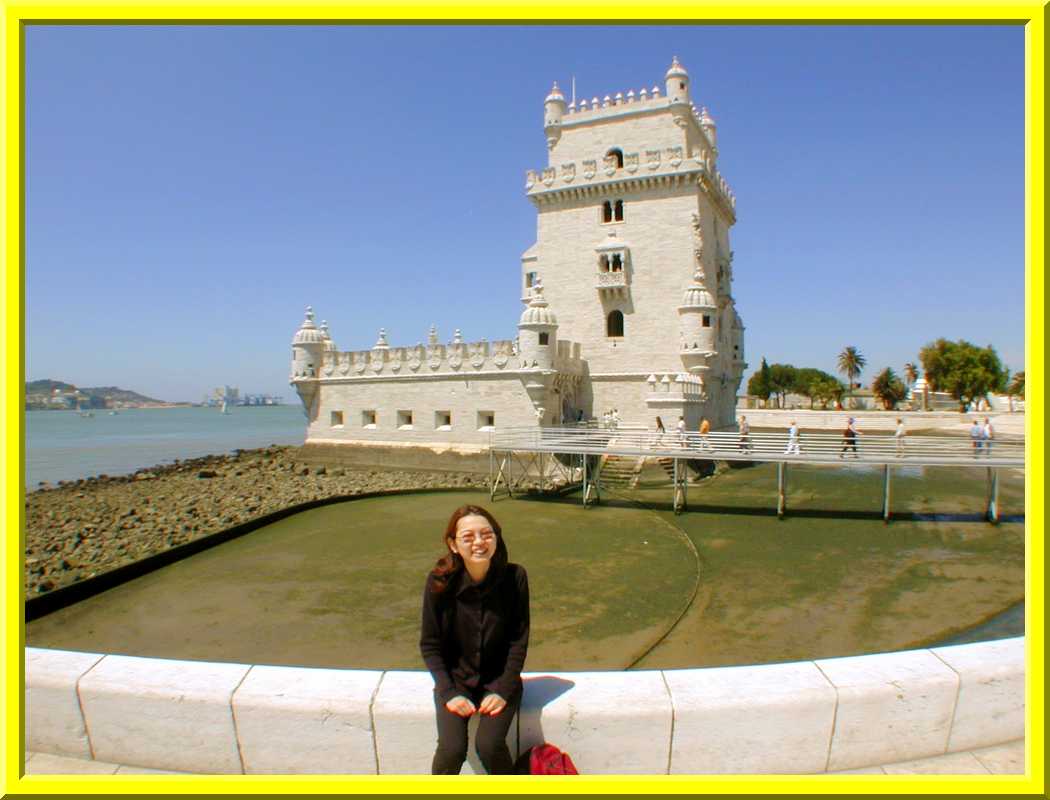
(62, 445)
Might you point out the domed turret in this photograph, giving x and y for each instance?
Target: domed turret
(677, 82)
(707, 124)
(696, 319)
(308, 344)
(553, 112)
(538, 332)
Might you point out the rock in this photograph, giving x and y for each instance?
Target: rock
(321, 471)
(207, 473)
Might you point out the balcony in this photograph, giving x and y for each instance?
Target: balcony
(613, 282)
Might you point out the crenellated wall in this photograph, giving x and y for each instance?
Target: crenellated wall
(805, 717)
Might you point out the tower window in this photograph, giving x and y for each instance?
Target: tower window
(530, 279)
(707, 320)
(614, 324)
(404, 420)
(603, 263)
(607, 211)
(368, 419)
(617, 262)
(544, 338)
(618, 211)
(616, 153)
(337, 419)
(486, 420)
(443, 420)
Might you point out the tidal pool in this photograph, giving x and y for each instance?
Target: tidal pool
(624, 583)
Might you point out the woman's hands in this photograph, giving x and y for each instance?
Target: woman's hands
(491, 704)
(461, 706)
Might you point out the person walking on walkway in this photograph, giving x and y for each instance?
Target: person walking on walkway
(681, 431)
(659, 431)
(898, 437)
(474, 638)
(705, 429)
(976, 435)
(987, 434)
(793, 448)
(745, 435)
(849, 439)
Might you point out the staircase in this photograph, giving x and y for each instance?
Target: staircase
(620, 471)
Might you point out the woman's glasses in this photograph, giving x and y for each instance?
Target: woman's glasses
(468, 538)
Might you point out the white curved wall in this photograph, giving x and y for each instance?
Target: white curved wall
(812, 716)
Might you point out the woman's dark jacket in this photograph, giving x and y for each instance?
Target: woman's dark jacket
(475, 635)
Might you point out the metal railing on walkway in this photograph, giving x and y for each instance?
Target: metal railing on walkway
(531, 449)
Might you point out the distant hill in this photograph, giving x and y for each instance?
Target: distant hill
(116, 393)
(38, 392)
(47, 386)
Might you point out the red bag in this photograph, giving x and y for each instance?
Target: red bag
(546, 759)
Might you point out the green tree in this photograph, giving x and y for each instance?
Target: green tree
(816, 385)
(963, 370)
(1016, 385)
(758, 385)
(781, 381)
(828, 390)
(851, 363)
(889, 389)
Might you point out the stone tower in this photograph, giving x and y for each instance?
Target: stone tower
(632, 249)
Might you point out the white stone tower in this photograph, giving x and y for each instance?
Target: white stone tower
(632, 248)
(308, 348)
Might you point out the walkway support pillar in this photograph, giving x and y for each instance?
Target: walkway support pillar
(678, 498)
(993, 495)
(781, 486)
(886, 493)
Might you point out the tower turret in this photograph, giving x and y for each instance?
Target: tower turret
(677, 83)
(707, 124)
(696, 318)
(538, 332)
(553, 112)
(308, 345)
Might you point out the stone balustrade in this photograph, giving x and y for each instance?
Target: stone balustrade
(670, 162)
(804, 717)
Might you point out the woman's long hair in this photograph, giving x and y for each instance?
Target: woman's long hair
(451, 564)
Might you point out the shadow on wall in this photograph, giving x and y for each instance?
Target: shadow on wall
(539, 691)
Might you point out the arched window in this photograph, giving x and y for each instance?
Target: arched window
(603, 263)
(614, 324)
(607, 211)
(618, 211)
(617, 263)
(616, 153)
(544, 338)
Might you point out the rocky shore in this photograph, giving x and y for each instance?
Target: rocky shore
(82, 528)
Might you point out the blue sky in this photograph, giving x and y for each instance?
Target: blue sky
(191, 189)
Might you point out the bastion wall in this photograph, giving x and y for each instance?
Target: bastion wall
(805, 717)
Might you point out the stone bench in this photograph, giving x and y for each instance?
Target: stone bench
(804, 717)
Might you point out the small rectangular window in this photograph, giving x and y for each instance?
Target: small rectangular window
(544, 338)
(443, 420)
(707, 320)
(368, 419)
(618, 213)
(337, 419)
(486, 420)
(404, 420)
(530, 279)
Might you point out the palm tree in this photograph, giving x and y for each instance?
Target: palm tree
(851, 363)
(911, 373)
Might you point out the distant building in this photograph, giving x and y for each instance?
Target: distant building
(627, 291)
